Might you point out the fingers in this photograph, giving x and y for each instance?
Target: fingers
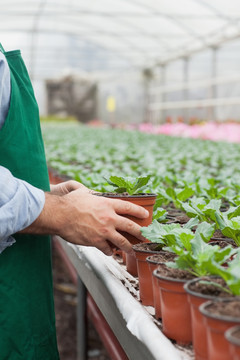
(120, 242)
(115, 224)
(105, 247)
(130, 227)
(58, 189)
(72, 185)
(67, 187)
(80, 188)
(128, 208)
(124, 225)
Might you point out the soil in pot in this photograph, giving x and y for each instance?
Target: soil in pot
(172, 211)
(176, 317)
(198, 293)
(181, 219)
(142, 251)
(177, 216)
(153, 261)
(218, 235)
(233, 337)
(222, 243)
(220, 315)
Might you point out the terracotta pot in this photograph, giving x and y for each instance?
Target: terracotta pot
(153, 262)
(131, 263)
(118, 253)
(124, 257)
(147, 201)
(176, 317)
(216, 325)
(233, 338)
(199, 336)
(55, 177)
(144, 273)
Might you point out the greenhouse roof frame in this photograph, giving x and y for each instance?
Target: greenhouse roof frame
(137, 34)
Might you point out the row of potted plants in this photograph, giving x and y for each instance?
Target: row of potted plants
(193, 255)
(191, 210)
(179, 168)
(165, 284)
(177, 291)
(169, 286)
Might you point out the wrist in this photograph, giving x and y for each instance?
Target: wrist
(52, 218)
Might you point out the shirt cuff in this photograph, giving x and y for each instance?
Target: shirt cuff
(6, 243)
(20, 205)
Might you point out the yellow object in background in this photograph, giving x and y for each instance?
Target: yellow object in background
(111, 104)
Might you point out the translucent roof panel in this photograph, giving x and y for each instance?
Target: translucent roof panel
(109, 35)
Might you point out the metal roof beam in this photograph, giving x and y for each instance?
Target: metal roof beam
(173, 19)
(186, 53)
(64, 32)
(108, 14)
(34, 33)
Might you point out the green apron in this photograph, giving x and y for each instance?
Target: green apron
(27, 320)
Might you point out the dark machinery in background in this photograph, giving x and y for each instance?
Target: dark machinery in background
(72, 96)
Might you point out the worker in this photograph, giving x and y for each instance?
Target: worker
(30, 211)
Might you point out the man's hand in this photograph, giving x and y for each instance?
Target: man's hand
(66, 187)
(85, 219)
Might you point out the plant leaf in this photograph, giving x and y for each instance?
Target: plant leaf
(141, 182)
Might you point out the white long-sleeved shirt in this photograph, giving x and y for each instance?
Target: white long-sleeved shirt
(20, 202)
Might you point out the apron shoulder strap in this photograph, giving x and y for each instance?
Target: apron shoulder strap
(1, 48)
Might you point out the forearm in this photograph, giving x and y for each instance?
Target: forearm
(52, 218)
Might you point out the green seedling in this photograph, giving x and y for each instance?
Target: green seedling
(130, 185)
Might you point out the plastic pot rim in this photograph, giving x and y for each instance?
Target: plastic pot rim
(203, 310)
(167, 278)
(135, 248)
(152, 261)
(198, 294)
(117, 196)
(230, 337)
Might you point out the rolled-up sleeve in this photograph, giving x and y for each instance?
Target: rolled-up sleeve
(20, 204)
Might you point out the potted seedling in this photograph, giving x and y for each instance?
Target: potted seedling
(155, 233)
(229, 223)
(220, 314)
(173, 198)
(205, 288)
(153, 261)
(132, 190)
(193, 255)
(200, 290)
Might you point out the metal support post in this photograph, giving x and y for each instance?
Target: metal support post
(213, 87)
(81, 321)
(162, 113)
(185, 90)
